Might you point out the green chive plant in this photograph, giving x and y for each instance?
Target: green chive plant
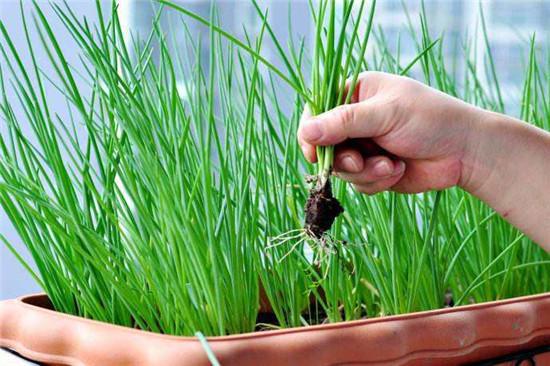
(333, 63)
(152, 199)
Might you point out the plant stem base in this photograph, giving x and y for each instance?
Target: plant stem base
(321, 209)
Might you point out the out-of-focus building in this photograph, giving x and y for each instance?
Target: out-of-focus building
(509, 24)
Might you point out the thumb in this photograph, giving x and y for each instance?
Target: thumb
(360, 120)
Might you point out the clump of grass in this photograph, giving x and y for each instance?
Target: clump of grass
(174, 207)
(128, 218)
(333, 65)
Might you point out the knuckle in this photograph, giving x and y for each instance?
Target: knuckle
(369, 76)
(393, 111)
(345, 115)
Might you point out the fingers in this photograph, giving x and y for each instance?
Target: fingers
(349, 161)
(360, 120)
(374, 169)
(378, 173)
(377, 187)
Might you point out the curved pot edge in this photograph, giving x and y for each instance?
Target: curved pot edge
(23, 301)
(517, 343)
(534, 310)
(42, 357)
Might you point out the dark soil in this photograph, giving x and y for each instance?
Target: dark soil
(264, 319)
(448, 302)
(321, 210)
(268, 321)
(315, 314)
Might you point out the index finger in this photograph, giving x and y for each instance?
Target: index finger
(309, 150)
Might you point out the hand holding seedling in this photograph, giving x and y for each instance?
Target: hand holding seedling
(398, 134)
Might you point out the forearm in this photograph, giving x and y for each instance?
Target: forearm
(507, 165)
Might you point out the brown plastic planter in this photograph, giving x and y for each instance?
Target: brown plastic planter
(441, 337)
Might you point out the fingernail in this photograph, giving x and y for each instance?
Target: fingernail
(350, 165)
(382, 168)
(399, 167)
(311, 131)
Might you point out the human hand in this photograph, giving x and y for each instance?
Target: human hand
(401, 135)
(397, 134)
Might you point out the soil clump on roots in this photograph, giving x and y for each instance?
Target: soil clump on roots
(321, 209)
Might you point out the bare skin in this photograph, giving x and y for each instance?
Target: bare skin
(401, 135)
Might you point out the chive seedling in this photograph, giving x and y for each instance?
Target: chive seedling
(334, 62)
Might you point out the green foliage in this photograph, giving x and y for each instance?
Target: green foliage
(154, 204)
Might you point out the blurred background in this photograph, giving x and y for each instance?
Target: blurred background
(510, 25)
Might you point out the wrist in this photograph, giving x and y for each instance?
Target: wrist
(501, 153)
(478, 158)
(507, 167)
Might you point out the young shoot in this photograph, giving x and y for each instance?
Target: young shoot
(335, 63)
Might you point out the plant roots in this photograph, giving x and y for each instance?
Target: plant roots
(321, 209)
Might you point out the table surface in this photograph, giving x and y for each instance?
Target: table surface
(7, 358)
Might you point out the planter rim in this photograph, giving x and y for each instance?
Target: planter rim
(24, 301)
(448, 336)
